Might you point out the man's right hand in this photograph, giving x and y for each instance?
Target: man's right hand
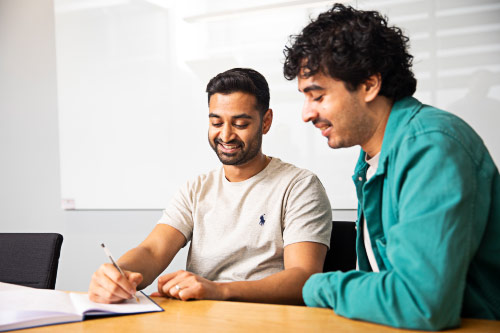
(109, 286)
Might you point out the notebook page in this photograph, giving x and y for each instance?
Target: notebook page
(36, 300)
(85, 306)
(26, 307)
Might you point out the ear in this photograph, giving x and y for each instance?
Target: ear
(371, 87)
(267, 121)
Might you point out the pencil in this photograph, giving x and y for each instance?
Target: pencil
(108, 253)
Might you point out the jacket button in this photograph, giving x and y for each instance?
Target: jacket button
(360, 178)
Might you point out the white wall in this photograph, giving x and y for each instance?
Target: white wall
(132, 78)
(29, 156)
(126, 70)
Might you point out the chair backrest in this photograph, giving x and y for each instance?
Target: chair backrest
(342, 253)
(30, 259)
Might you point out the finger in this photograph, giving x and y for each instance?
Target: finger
(165, 278)
(103, 300)
(156, 294)
(102, 286)
(198, 288)
(174, 290)
(167, 281)
(109, 289)
(101, 295)
(175, 285)
(160, 292)
(161, 283)
(118, 279)
(134, 278)
(191, 292)
(110, 279)
(162, 280)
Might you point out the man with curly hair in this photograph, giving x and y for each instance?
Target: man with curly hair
(428, 190)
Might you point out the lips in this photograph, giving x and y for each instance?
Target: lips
(229, 147)
(325, 130)
(324, 127)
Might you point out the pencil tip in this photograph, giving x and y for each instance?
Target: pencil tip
(102, 245)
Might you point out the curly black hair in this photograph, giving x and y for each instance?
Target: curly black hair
(243, 80)
(351, 45)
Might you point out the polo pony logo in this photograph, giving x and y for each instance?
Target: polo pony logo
(262, 221)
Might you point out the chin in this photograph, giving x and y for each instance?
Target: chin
(336, 144)
(228, 160)
(332, 144)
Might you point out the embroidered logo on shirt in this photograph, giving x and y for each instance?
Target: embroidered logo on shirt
(262, 221)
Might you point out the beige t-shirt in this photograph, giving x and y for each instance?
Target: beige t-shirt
(238, 230)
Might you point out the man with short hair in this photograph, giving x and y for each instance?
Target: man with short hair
(258, 227)
(428, 190)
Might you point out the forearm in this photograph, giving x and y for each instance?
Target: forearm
(154, 254)
(387, 298)
(284, 287)
(141, 260)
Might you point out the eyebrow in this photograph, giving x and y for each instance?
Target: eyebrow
(239, 116)
(312, 87)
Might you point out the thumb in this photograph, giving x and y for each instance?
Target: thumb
(134, 278)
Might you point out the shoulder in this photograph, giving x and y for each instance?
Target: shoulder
(431, 119)
(293, 179)
(278, 168)
(439, 130)
(196, 184)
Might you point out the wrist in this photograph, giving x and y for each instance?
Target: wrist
(224, 290)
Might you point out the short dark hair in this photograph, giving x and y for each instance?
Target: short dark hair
(243, 80)
(352, 45)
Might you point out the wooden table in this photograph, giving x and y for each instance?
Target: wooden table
(216, 316)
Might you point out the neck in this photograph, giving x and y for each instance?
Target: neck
(381, 107)
(238, 173)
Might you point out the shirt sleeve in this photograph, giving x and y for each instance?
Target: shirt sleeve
(427, 252)
(179, 212)
(308, 215)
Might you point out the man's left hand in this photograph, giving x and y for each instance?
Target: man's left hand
(185, 286)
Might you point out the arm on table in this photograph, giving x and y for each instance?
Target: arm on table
(428, 250)
(301, 260)
(141, 266)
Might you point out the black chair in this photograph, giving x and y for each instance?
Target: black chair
(342, 253)
(30, 259)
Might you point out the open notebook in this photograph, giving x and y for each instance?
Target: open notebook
(22, 307)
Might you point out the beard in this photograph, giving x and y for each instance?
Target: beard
(245, 153)
(355, 128)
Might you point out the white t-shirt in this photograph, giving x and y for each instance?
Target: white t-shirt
(238, 230)
(373, 165)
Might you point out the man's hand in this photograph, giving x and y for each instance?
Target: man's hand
(109, 286)
(189, 286)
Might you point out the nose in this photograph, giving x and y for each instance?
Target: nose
(309, 113)
(226, 134)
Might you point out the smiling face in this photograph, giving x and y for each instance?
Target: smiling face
(235, 128)
(340, 114)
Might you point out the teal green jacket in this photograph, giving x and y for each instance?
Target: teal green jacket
(433, 212)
